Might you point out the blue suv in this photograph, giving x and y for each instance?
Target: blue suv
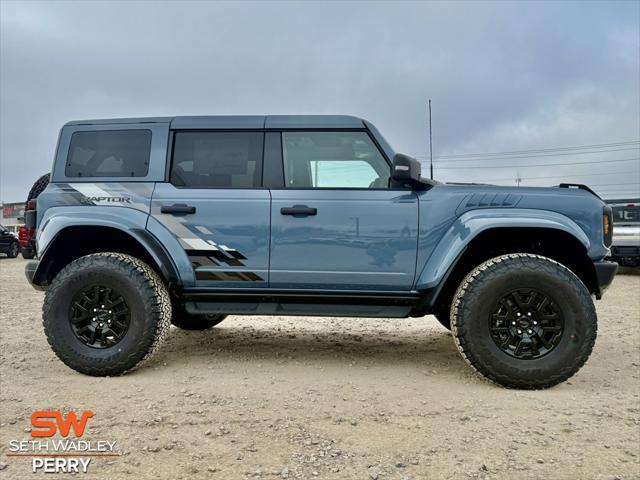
(185, 220)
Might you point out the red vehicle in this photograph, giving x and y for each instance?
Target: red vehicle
(26, 239)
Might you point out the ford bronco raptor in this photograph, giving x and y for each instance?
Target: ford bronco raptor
(185, 220)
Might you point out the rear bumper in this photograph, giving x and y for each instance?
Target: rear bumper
(30, 271)
(605, 271)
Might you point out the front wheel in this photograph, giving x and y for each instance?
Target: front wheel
(104, 314)
(524, 321)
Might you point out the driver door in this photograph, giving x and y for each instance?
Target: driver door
(336, 224)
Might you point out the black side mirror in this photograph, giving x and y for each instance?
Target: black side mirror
(405, 171)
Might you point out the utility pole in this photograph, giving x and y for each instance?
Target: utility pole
(430, 145)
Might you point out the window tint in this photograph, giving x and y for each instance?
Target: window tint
(109, 153)
(217, 159)
(333, 160)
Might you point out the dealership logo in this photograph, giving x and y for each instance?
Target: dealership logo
(69, 452)
(44, 425)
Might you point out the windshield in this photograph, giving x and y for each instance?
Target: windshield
(626, 214)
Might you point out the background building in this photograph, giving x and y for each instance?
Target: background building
(12, 215)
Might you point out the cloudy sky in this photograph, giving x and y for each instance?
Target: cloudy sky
(503, 77)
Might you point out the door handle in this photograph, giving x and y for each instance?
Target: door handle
(299, 211)
(178, 208)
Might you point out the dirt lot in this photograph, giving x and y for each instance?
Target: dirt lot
(294, 397)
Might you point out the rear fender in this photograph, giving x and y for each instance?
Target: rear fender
(127, 220)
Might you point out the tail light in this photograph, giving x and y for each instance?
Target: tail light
(30, 215)
(607, 226)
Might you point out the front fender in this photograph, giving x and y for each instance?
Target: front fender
(469, 225)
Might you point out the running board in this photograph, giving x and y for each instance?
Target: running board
(301, 303)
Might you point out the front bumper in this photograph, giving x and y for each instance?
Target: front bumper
(605, 271)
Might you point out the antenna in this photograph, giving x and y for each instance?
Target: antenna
(430, 144)
(518, 179)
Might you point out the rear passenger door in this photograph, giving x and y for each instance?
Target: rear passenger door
(214, 205)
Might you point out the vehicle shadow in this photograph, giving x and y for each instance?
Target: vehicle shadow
(425, 347)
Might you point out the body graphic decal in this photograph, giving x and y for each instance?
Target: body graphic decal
(205, 254)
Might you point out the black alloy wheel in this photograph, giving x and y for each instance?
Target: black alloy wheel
(526, 324)
(99, 316)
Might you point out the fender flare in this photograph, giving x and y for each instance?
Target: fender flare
(129, 221)
(469, 225)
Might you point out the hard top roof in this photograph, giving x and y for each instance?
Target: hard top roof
(238, 121)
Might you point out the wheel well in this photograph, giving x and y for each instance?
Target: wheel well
(72, 243)
(555, 244)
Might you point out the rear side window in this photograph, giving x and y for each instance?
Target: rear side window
(109, 153)
(217, 159)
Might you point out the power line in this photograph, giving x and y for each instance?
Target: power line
(615, 184)
(533, 156)
(541, 164)
(542, 150)
(563, 176)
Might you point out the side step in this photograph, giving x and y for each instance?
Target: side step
(301, 303)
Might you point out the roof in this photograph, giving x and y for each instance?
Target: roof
(239, 121)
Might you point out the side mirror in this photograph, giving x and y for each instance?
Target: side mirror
(405, 171)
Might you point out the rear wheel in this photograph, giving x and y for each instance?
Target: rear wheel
(104, 314)
(524, 321)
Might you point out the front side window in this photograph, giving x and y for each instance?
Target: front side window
(333, 160)
(217, 159)
(109, 153)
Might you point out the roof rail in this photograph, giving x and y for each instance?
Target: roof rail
(579, 186)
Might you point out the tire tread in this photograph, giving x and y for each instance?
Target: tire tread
(155, 296)
(482, 274)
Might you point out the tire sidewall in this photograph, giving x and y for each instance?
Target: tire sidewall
(472, 320)
(136, 342)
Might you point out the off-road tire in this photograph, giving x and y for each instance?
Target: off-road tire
(144, 293)
(14, 250)
(472, 307)
(38, 187)
(186, 321)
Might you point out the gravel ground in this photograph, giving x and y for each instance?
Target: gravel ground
(287, 397)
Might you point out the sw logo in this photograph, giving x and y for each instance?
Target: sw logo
(46, 423)
(62, 455)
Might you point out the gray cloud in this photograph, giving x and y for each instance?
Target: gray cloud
(502, 76)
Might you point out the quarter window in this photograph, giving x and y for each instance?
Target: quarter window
(333, 160)
(109, 153)
(217, 159)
